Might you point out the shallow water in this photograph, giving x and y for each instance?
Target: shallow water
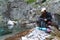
(5, 36)
(15, 31)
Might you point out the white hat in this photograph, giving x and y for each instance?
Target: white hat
(42, 10)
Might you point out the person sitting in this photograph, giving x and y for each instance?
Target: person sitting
(46, 16)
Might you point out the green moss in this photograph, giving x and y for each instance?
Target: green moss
(30, 1)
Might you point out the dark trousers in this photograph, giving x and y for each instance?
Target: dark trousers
(44, 23)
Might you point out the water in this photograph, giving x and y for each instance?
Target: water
(15, 31)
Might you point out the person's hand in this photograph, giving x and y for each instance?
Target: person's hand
(45, 19)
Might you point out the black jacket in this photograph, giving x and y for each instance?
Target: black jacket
(48, 16)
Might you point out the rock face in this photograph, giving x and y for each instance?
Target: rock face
(52, 5)
(19, 9)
